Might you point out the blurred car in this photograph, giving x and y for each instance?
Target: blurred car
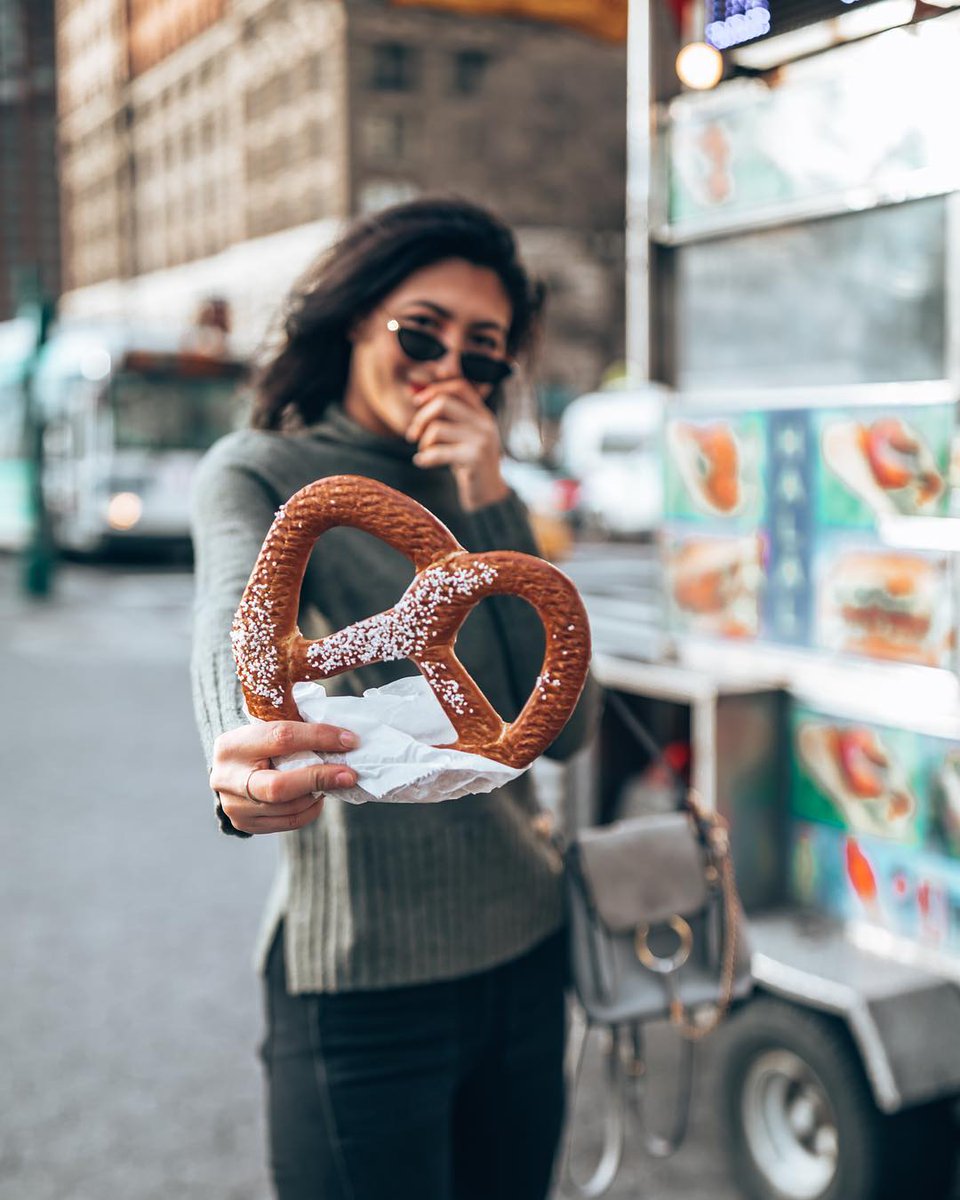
(551, 498)
(610, 442)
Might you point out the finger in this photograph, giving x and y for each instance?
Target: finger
(229, 778)
(441, 432)
(444, 406)
(279, 812)
(455, 454)
(274, 824)
(270, 787)
(243, 812)
(271, 739)
(457, 386)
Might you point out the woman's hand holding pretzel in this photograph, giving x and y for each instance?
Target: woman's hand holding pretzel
(453, 427)
(259, 799)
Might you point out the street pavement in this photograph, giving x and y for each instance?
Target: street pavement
(130, 1013)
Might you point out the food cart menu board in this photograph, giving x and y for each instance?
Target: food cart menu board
(876, 826)
(770, 529)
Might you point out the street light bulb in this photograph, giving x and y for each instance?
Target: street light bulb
(699, 66)
(124, 510)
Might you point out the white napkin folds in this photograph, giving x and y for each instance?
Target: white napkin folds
(397, 761)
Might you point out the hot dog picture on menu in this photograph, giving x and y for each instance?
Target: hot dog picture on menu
(886, 462)
(717, 465)
(861, 776)
(271, 654)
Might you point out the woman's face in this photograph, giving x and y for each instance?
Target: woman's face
(462, 305)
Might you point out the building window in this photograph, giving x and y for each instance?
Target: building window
(377, 194)
(314, 72)
(394, 67)
(316, 140)
(469, 69)
(386, 138)
(473, 141)
(253, 104)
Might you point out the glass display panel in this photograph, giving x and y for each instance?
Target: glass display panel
(853, 299)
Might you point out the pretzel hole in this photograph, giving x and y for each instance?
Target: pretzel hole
(493, 615)
(380, 567)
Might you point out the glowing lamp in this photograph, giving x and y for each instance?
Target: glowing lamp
(699, 66)
(124, 510)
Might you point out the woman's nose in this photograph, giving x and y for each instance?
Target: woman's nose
(449, 366)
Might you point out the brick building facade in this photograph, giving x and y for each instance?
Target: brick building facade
(29, 217)
(217, 147)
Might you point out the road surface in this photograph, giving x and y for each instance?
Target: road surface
(130, 1009)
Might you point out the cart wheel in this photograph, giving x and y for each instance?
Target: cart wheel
(800, 1121)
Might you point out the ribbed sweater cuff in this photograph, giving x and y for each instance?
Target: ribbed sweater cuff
(227, 826)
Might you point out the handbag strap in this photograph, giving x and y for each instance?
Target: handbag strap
(714, 836)
(625, 1068)
(694, 1031)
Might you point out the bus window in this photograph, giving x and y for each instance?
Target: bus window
(182, 413)
(16, 345)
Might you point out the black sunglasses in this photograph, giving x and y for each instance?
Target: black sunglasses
(424, 347)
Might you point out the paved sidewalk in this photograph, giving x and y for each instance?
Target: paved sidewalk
(131, 1012)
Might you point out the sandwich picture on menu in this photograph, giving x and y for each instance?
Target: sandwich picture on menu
(715, 584)
(885, 605)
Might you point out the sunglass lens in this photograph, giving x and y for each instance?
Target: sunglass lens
(420, 346)
(481, 368)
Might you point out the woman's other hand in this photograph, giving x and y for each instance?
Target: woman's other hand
(259, 799)
(453, 427)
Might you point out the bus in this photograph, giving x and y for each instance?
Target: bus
(16, 345)
(127, 414)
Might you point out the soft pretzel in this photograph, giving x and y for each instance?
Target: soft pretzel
(271, 654)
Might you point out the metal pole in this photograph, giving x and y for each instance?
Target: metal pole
(639, 98)
(37, 561)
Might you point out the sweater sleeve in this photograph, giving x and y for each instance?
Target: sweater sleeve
(505, 525)
(232, 510)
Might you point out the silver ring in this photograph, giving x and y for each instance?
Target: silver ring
(246, 787)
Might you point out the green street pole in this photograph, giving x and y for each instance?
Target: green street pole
(37, 561)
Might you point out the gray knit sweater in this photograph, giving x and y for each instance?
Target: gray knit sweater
(378, 895)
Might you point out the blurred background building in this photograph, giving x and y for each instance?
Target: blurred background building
(215, 147)
(29, 206)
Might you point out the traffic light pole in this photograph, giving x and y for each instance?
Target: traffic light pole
(38, 558)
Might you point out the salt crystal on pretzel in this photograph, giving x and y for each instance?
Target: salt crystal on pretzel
(271, 654)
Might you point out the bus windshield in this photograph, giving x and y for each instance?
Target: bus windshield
(154, 412)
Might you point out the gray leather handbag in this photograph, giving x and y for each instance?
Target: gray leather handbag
(657, 932)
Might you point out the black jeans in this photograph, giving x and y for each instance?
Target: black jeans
(437, 1091)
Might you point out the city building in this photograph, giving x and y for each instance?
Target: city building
(29, 205)
(214, 148)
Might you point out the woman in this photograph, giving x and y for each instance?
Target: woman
(413, 954)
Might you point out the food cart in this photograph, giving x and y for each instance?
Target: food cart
(806, 235)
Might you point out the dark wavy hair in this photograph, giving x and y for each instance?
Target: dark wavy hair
(377, 253)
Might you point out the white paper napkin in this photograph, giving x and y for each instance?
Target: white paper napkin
(397, 761)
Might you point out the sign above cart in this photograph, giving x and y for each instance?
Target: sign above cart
(864, 125)
(730, 23)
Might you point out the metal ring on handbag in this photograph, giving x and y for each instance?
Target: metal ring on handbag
(654, 962)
